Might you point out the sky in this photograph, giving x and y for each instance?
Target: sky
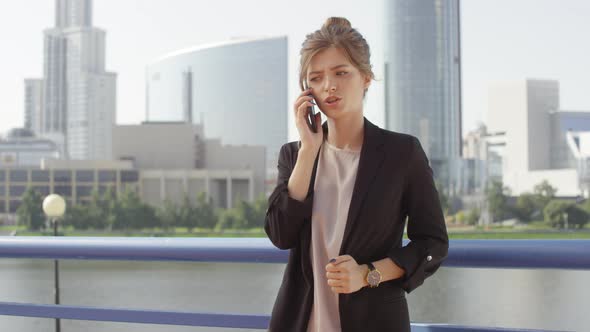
(501, 40)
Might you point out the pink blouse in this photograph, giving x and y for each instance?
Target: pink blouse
(334, 183)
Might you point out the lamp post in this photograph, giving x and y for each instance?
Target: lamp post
(54, 207)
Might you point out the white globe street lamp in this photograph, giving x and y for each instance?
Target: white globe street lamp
(54, 207)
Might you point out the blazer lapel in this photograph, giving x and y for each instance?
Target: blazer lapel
(371, 158)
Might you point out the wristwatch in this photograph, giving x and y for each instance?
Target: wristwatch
(373, 276)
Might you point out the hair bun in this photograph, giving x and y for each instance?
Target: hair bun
(338, 22)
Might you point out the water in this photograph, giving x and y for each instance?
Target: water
(536, 299)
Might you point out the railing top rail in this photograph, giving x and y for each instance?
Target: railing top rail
(561, 254)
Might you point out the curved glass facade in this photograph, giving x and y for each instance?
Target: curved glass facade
(236, 89)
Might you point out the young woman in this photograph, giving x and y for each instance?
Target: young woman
(342, 198)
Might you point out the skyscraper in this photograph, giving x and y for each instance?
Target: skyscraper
(34, 105)
(422, 79)
(78, 94)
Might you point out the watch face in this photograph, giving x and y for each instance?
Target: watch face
(373, 278)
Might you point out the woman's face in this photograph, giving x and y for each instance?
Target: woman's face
(333, 77)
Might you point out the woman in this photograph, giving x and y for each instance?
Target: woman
(342, 198)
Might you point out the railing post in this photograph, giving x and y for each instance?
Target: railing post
(56, 279)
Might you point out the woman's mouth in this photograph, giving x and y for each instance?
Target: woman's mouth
(332, 101)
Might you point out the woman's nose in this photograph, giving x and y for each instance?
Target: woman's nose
(330, 86)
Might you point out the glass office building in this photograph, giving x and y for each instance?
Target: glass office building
(236, 89)
(422, 79)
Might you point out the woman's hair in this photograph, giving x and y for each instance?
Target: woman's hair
(336, 32)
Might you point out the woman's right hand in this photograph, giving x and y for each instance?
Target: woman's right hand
(309, 140)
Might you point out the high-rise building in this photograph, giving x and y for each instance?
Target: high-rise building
(535, 136)
(236, 89)
(422, 79)
(34, 105)
(78, 94)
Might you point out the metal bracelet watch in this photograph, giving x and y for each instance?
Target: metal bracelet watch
(373, 276)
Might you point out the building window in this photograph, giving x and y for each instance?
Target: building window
(63, 190)
(84, 176)
(43, 190)
(14, 204)
(17, 191)
(107, 176)
(129, 176)
(62, 176)
(39, 176)
(103, 189)
(18, 175)
(84, 191)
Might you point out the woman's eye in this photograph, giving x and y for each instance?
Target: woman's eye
(313, 79)
(341, 73)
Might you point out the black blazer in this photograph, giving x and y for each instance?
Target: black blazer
(394, 181)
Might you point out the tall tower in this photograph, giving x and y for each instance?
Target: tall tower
(422, 79)
(79, 95)
(34, 105)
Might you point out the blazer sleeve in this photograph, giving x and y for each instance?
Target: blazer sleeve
(285, 215)
(427, 232)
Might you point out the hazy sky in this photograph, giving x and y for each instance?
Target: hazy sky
(501, 39)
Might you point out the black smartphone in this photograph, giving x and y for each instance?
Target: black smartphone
(310, 112)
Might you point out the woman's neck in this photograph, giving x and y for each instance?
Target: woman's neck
(347, 132)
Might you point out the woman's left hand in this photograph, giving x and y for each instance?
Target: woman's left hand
(345, 275)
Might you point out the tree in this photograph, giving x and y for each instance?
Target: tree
(30, 212)
(442, 197)
(188, 214)
(260, 207)
(133, 214)
(96, 212)
(577, 217)
(247, 216)
(168, 215)
(206, 213)
(558, 212)
(111, 208)
(76, 217)
(526, 206)
(460, 217)
(545, 189)
(543, 194)
(497, 200)
(228, 218)
(473, 216)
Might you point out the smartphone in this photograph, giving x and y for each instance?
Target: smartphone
(310, 112)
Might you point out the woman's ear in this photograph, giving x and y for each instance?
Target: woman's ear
(366, 82)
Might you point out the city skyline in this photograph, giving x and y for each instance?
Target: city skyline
(553, 55)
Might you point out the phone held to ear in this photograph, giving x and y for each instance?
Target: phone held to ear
(310, 112)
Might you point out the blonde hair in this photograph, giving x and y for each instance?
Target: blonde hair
(336, 32)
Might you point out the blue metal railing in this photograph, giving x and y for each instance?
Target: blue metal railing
(527, 254)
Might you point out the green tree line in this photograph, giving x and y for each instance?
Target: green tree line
(541, 204)
(126, 212)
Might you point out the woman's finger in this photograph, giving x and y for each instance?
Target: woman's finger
(336, 275)
(337, 290)
(303, 100)
(336, 282)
